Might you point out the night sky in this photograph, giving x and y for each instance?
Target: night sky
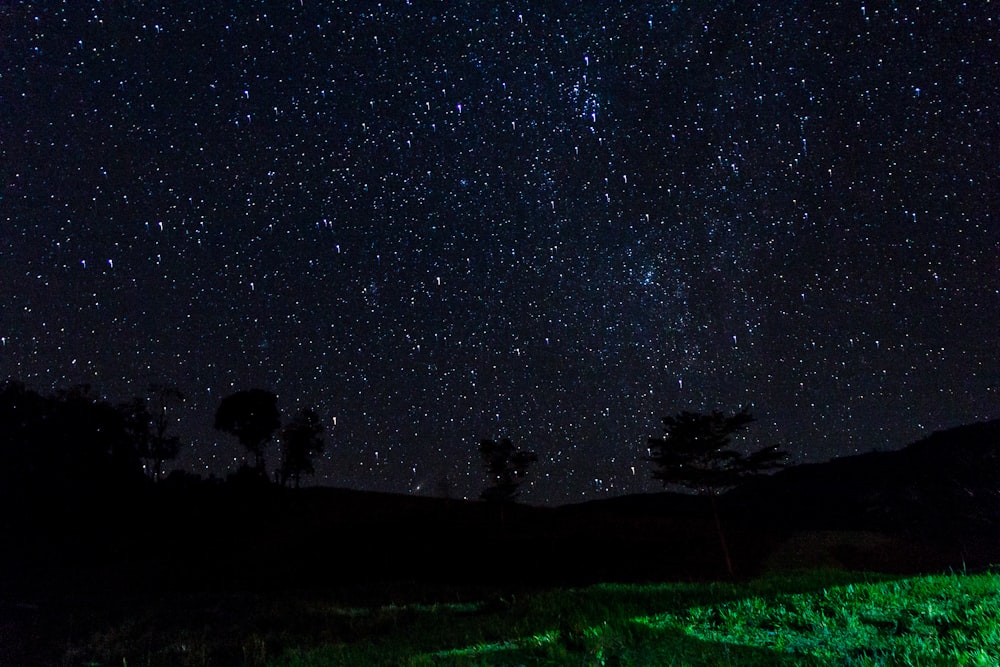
(438, 222)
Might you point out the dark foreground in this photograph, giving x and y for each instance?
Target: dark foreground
(227, 555)
(234, 564)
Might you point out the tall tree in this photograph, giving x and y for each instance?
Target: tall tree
(301, 441)
(505, 465)
(695, 452)
(253, 417)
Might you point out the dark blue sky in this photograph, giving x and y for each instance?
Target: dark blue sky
(441, 222)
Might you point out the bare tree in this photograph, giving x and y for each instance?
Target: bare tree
(301, 441)
(148, 427)
(505, 465)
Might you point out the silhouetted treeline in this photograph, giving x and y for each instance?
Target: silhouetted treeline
(72, 444)
(67, 444)
(934, 503)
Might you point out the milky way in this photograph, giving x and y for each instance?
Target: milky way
(442, 222)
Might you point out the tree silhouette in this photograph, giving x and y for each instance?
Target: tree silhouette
(694, 452)
(504, 466)
(149, 429)
(253, 417)
(301, 441)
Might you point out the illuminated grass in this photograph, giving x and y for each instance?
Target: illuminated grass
(499, 647)
(815, 619)
(951, 620)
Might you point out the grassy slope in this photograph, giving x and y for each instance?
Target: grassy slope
(810, 619)
(820, 617)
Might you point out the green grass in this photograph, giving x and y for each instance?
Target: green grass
(939, 620)
(812, 619)
(823, 618)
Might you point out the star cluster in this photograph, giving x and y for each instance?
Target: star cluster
(442, 222)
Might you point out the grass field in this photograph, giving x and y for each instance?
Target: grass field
(822, 617)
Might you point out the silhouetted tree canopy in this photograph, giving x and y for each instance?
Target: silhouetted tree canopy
(695, 452)
(301, 441)
(253, 417)
(505, 465)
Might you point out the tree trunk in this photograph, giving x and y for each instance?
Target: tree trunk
(722, 535)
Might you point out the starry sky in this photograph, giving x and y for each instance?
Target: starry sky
(438, 222)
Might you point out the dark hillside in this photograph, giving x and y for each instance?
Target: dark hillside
(947, 484)
(933, 504)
